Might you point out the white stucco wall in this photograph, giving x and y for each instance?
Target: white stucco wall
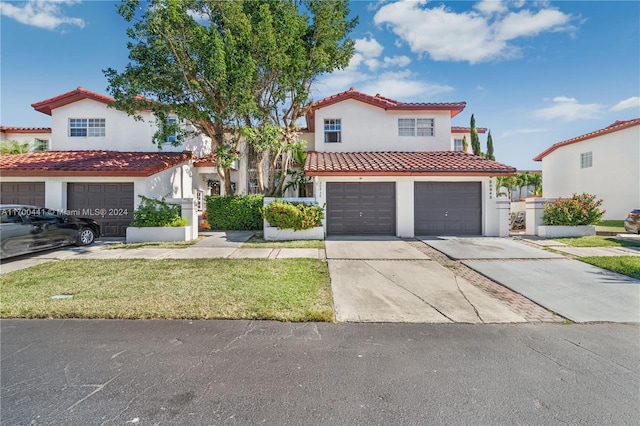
(370, 128)
(614, 176)
(25, 137)
(122, 132)
(405, 199)
(168, 183)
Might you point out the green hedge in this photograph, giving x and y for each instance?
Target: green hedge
(297, 216)
(580, 209)
(157, 213)
(235, 212)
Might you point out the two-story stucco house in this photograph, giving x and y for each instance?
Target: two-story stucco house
(37, 137)
(388, 167)
(605, 163)
(99, 159)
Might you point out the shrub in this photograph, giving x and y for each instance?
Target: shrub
(154, 212)
(235, 212)
(580, 209)
(297, 216)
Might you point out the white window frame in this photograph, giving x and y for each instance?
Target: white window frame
(171, 138)
(416, 127)
(458, 145)
(333, 126)
(200, 200)
(87, 127)
(586, 160)
(40, 145)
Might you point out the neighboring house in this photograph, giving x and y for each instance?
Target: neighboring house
(388, 167)
(37, 137)
(459, 133)
(605, 163)
(101, 159)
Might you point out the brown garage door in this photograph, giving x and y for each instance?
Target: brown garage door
(361, 208)
(27, 193)
(447, 208)
(111, 204)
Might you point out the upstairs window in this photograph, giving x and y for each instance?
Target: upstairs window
(40, 145)
(586, 160)
(457, 144)
(332, 130)
(174, 136)
(415, 127)
(87, 127)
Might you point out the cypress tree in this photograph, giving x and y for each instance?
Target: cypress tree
(490, 155)
(475, 139)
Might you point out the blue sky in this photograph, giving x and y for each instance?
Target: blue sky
(534, 72)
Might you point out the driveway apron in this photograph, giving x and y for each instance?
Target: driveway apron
(384, 279)
(573, 289)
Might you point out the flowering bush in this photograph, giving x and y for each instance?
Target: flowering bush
(297, 216)
(580, 209)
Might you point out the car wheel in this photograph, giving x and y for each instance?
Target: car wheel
(86, 236)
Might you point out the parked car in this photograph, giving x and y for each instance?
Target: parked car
(632, 222)
(27, 229)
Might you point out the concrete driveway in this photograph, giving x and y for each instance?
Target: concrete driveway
(573, 289)
(384, 279)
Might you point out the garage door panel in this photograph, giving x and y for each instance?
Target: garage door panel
(26, 193)
(447, 208)
(111, 204)
(361, 208)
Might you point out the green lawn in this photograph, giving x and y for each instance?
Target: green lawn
(283, 289)
(626, 265)
(596, 241)
(257, 242)
(159, 245)
(611, 226)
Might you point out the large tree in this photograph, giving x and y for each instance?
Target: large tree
(292, 47)
(222, 65)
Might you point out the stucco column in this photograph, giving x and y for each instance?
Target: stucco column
(503, 206)
(405, 209)
(535, 210)
(189, 212)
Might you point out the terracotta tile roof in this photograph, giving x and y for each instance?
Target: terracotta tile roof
(422, 163)
(386, 103)
(80, 93)
(208, 160)
(456, 129)
(9, 129)
(614, 127)
(90, 163)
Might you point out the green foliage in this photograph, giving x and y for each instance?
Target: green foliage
(154, 212)
(490, 155)
(297, 179)
(475, 139)
(507, 182)
(297, 216)
(535, 180)
(580, 209)
(465, 144)
(10, 147)
(235, 212)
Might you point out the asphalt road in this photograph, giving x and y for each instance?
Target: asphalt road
(111, 372)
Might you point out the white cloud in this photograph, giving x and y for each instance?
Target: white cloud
(404, 88)
(489, 7)
(632, 102)
(569, 109)
(369, 48)
(484, 34)
(524, 131)
(398, 60)
(41, 13)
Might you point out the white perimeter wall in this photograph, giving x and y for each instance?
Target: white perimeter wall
(369, 128)
(405, 201)
(614, 176)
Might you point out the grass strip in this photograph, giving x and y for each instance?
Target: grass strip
(625, 265)
(596, 241)
(280, 289)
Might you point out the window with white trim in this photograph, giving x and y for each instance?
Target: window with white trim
(586, 160)
(457, 145)
(40, 145)
(174, 136)
(332, 130)
(87, 127)
(416, 127)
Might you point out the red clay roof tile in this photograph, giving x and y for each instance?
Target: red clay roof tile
(10, 129)
(208, 160)
(423, 163)
(90, 163)
(80, 93)
(614, 127)
(456, 129)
